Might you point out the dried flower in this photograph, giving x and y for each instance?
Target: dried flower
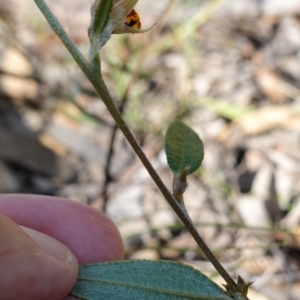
(123, 19)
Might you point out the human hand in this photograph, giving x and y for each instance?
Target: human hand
(39, 259)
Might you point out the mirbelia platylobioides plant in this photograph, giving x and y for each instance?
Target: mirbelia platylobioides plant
(142, 279)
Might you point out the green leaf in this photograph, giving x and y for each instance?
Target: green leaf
(100, 14)
(144, 280)
(183, 147)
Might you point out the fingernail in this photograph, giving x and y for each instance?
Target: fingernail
(50, 245)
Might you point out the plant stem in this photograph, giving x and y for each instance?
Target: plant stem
(99, 85)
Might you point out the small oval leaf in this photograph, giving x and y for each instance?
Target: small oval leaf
(183, 147)
(144, 280)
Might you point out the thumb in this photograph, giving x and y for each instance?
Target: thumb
(33, 265)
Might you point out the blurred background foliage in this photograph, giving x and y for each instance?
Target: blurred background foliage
(231, 67)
